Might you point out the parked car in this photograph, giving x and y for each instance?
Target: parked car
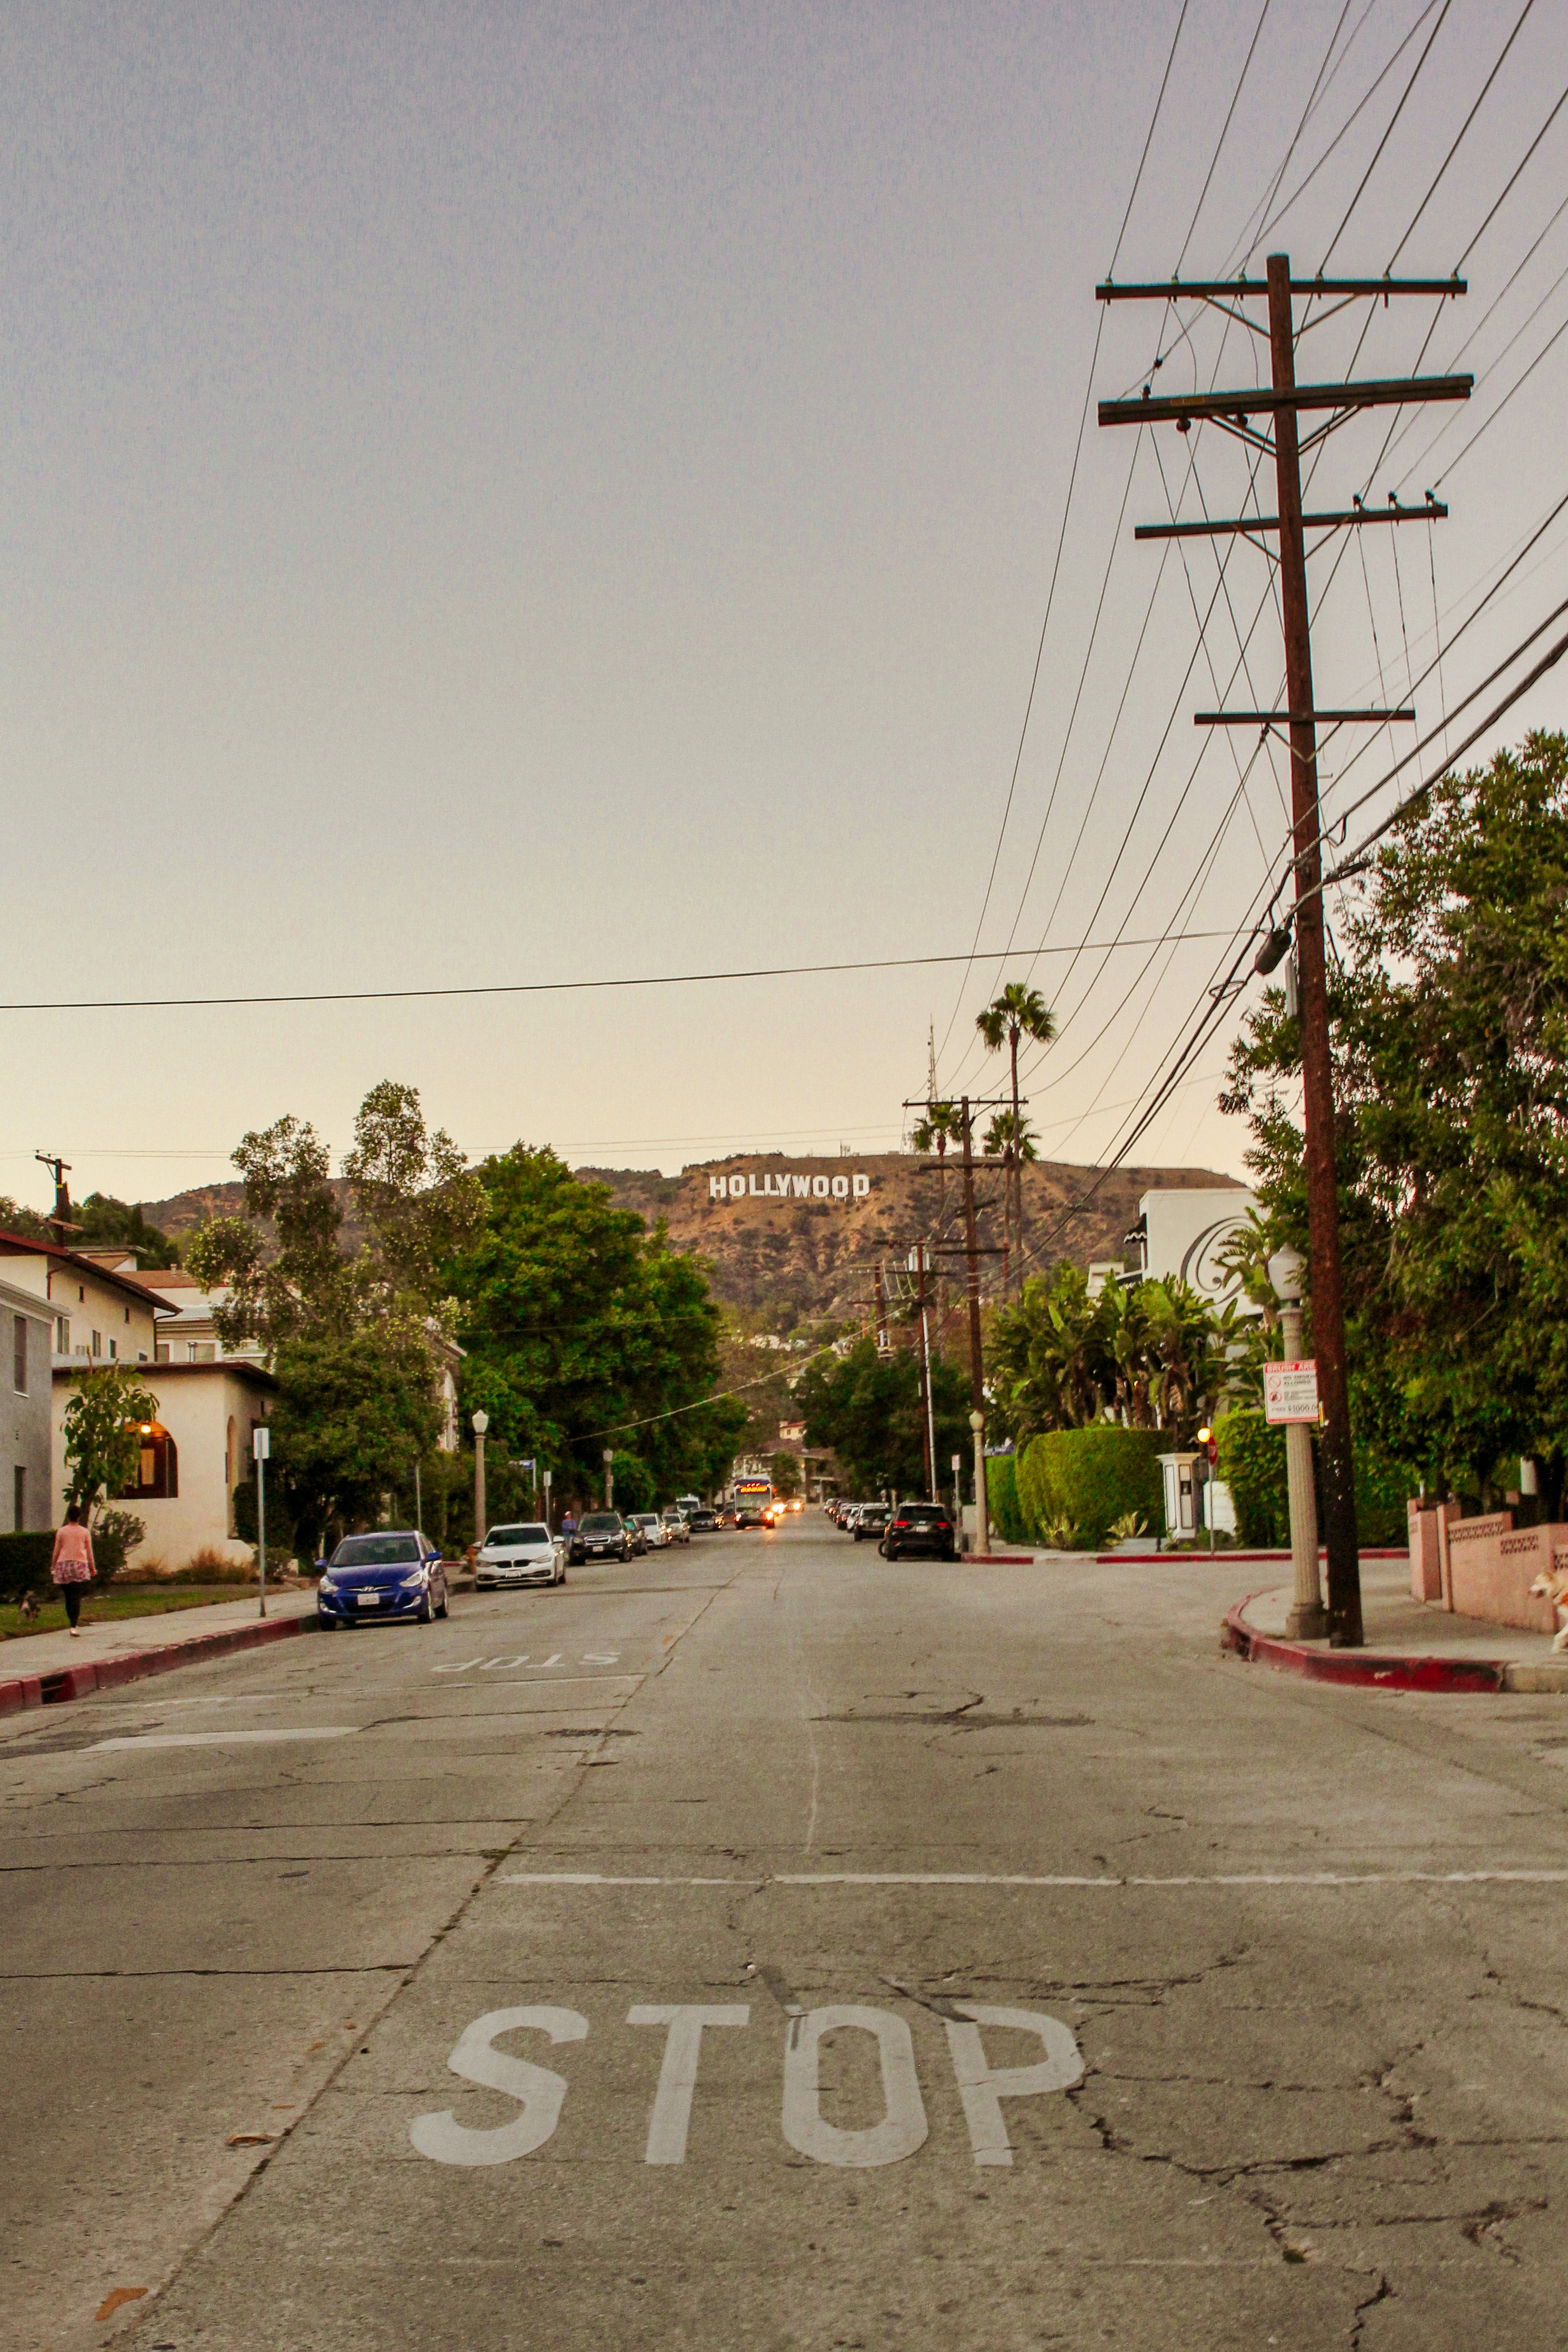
(654, 1533)
(725, 1515)
(525, 1554)
(871, 1520)
(371, 1579)
(637, 1536)
(703, 1521)
(918, 1526)
(599, 1535)
(676, 1527)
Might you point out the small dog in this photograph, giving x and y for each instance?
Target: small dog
(1552, 1584)
(29, 1606)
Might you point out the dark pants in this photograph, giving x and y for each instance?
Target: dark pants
(72, 1594)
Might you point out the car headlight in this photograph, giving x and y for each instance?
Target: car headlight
(413, 1583)
(326, 1585)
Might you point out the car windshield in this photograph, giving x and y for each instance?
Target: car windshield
(377, 1551)
(647, 1518)
(512, 1537)
(601, 1523)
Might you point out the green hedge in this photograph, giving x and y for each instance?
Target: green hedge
(1252, 1464)
(1002, 1498)
(1091, 1477)
(24, 1563)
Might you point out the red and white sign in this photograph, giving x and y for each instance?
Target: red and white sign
(1291, 1391)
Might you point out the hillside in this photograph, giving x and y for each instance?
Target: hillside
(786, 1251)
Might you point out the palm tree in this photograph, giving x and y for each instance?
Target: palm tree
(1018, 1011)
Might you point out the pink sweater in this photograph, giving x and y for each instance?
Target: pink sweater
(73, 1561)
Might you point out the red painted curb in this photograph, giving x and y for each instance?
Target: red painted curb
(107, 1674)
(1358, 1669)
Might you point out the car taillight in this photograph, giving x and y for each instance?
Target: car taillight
(900, 1523)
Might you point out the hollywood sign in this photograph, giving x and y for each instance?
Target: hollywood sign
(780, 1185)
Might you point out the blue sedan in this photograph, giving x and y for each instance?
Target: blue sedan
(371, 1579)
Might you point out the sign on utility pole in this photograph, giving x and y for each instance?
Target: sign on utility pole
(261, 1447)
(1291, 1391)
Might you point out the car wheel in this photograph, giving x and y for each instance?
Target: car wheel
(427, 1614)
(445, 1602)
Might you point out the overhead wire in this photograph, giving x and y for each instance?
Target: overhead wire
(1459, 134)
(1388, 134)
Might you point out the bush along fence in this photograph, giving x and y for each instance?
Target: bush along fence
(1002, 1498)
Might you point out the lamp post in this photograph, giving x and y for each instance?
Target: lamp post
(982, 1521)
(261, 1446)
(609, 1479)
(958, 1493)
(481, 1423)
(1206, 1455)
(1308, 1619)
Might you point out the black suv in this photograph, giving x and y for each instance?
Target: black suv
(918, 1526)
(601, 1534)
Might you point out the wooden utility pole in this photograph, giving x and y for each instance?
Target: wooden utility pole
(1283, 402)
(971, 1246)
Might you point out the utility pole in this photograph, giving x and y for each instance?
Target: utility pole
(60, 1221)
(977, 1364)
(881, 1312)
(1283, 402)
(917, 1263)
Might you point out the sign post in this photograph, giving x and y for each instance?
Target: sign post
(261, 1447)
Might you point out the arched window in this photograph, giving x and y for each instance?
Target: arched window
(157, 1474)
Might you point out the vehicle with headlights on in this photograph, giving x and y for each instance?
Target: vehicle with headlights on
(525, 1554)
(371, 1580)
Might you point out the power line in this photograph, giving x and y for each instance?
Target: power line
(516, 987)
(1361, 188)
(1225, 129)
(1519, 27)
(1507, 185)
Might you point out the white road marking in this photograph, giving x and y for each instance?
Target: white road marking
(902, 2128)
(446, 2141)
(1016, 1878)
(672, 2115)
(485, 1665)
(222, 1738)
(557, 1681)
(982, 2087)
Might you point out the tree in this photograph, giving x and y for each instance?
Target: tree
(104, 1222)
(103, 1422)
(583, 1330)
(1449, 1025)
(785, 1470)
(414, 1191)
(281, 1262)
(354, 1409)
(866, 1404)
(1017, 1013)
(1154, 1356)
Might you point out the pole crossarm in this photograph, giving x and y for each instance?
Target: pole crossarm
(1211, 289)
(1339, 519)
(1264, 400)
(1297, 717)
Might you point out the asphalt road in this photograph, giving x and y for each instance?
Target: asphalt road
(766, 1945)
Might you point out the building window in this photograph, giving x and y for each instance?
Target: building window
(128, 1314)
(163, 1354)
(18, 1498)
(62, 1335)
(113, 1350)
(82, 1296)
(19, 1357)
(157, 1475)
(98, 1343)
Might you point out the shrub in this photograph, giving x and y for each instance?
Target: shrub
(24, 1563)
(1252, 1464)
(1090, 1477)
(210, 1566)
(1002, 1498)
(115, 1534)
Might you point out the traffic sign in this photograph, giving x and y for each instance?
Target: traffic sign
(1291, 1391)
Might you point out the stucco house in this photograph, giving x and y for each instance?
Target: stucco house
(194, 1451)
(27, 1328)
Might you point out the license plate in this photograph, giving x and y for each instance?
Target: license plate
(368, 1600)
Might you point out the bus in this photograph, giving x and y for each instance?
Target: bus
(753, 1502)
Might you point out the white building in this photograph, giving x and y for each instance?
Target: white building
(1183, 1235)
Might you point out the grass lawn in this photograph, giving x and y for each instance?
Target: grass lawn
(100, 1608)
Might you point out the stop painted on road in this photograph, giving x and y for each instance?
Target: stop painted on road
(541, 2094)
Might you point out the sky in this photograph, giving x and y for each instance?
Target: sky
(504, 494)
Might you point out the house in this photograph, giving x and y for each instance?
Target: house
(195, 1450)
(26, 1330)
(100, 1315)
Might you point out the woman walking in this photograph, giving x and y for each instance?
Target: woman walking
(73, 1565)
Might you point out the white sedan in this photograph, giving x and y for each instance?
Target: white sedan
(527, 1554)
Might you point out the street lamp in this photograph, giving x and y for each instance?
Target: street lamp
(609, 1479)
(1206, 1455)
(982, 1518)
(481, 1423)
(1308, 1619)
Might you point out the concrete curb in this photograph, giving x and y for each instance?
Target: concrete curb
(108, 1673)
(1377, 1669)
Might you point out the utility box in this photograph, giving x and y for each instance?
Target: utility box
(1181, 1511)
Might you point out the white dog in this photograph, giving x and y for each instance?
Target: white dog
(1552, 1584)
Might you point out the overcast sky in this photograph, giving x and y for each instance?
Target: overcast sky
(503, 494)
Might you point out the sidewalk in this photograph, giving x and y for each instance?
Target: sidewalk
(1410, 1644)
(41, 1668)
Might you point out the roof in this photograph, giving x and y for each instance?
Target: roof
(24, 1245)
(244, 1368)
